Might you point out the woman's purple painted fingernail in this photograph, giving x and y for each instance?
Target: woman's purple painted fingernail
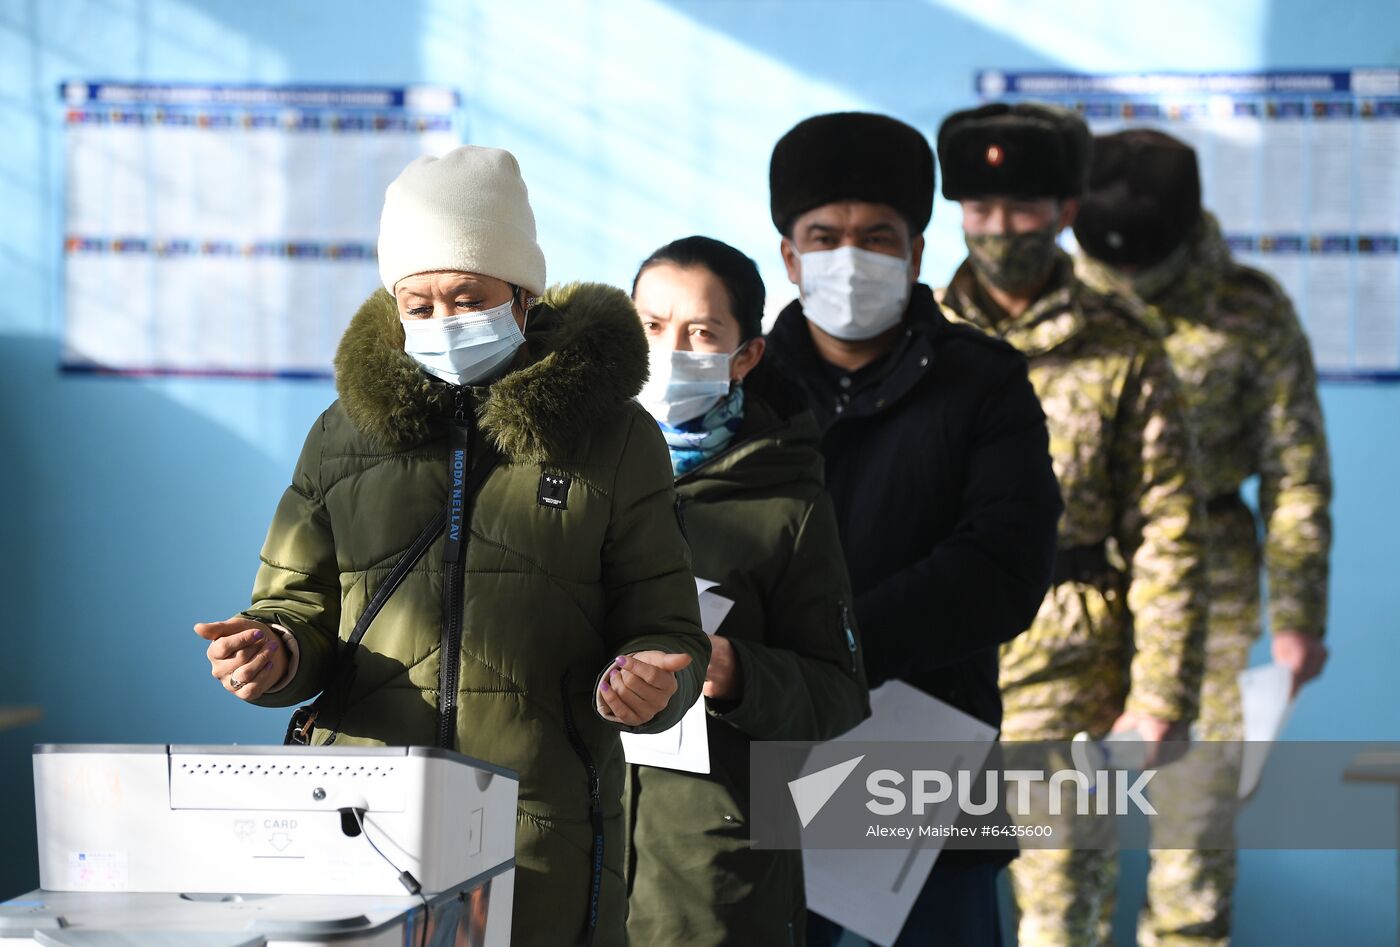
(257, 634)
(622, 660)
(604, 685)
(271, 646)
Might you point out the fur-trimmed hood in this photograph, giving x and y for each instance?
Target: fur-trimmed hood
(584, 356)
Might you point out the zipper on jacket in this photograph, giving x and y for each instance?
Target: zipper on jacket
(595, 811)
(459, 458)
(680, 519)
(850, 634)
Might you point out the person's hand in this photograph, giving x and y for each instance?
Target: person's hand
(244, 655)
(1301, 653)
(1154, 731)
(637, 687)
(724, 678)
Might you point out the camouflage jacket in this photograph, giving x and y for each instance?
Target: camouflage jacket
(1247, 371)
(1122, 451)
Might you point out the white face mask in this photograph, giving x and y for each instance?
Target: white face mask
(854, 294)
(465, 349)
(684, 385)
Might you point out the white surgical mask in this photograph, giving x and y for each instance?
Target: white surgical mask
(465, 349)
(854, 294)
(684, 385)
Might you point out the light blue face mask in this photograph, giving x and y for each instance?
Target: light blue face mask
(683, 385)
(465, 349)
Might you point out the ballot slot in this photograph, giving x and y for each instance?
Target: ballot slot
(304, 782)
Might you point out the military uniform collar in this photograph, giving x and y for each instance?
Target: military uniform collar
(1207, 260)
(1190, 296)
(1053, 319)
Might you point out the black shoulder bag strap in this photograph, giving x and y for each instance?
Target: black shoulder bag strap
(337, 693)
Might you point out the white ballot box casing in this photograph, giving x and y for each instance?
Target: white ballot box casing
(203, 837)
(473, 916)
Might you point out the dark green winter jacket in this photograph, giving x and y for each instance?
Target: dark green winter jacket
(551, 594)
(761, 525)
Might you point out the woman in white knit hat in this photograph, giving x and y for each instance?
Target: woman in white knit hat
(496, 431)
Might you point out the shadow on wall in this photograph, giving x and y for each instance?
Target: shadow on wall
(128, 513)
(1342, 897)
(913, 59)
(127, 519)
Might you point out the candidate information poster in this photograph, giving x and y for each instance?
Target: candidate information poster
(1303, 170)
(229, 230)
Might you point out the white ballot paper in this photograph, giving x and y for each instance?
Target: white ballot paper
(872, 892)
(686, 746)
(1266, 704)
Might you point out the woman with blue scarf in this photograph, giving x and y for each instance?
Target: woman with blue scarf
(786, 662)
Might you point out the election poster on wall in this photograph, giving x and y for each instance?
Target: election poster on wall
(1301, 168)
(228, 230)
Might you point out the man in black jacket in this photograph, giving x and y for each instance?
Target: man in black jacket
(936, 449)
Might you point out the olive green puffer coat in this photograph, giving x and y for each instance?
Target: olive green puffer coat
(551, 593)
(761, 525)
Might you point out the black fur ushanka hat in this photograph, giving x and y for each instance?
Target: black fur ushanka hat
(1144, 198)
(1026, 151)
(845, 156)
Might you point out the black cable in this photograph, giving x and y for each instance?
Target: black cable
(406, 878)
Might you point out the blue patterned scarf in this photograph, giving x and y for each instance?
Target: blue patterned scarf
(696, 441)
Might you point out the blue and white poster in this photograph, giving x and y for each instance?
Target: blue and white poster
(1301, 169)
(229, 230)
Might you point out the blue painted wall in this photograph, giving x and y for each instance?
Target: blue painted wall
(133, 508)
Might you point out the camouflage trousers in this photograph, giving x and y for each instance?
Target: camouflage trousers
(1190, 892)
(1067, 673)
(1067, 896)
(1064, 896)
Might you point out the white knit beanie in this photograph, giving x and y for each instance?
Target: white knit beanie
(468, 211)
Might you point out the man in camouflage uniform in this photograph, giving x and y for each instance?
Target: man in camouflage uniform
(1117, 642)
(1249, 382)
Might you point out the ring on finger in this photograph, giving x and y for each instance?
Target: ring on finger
(235, 683)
